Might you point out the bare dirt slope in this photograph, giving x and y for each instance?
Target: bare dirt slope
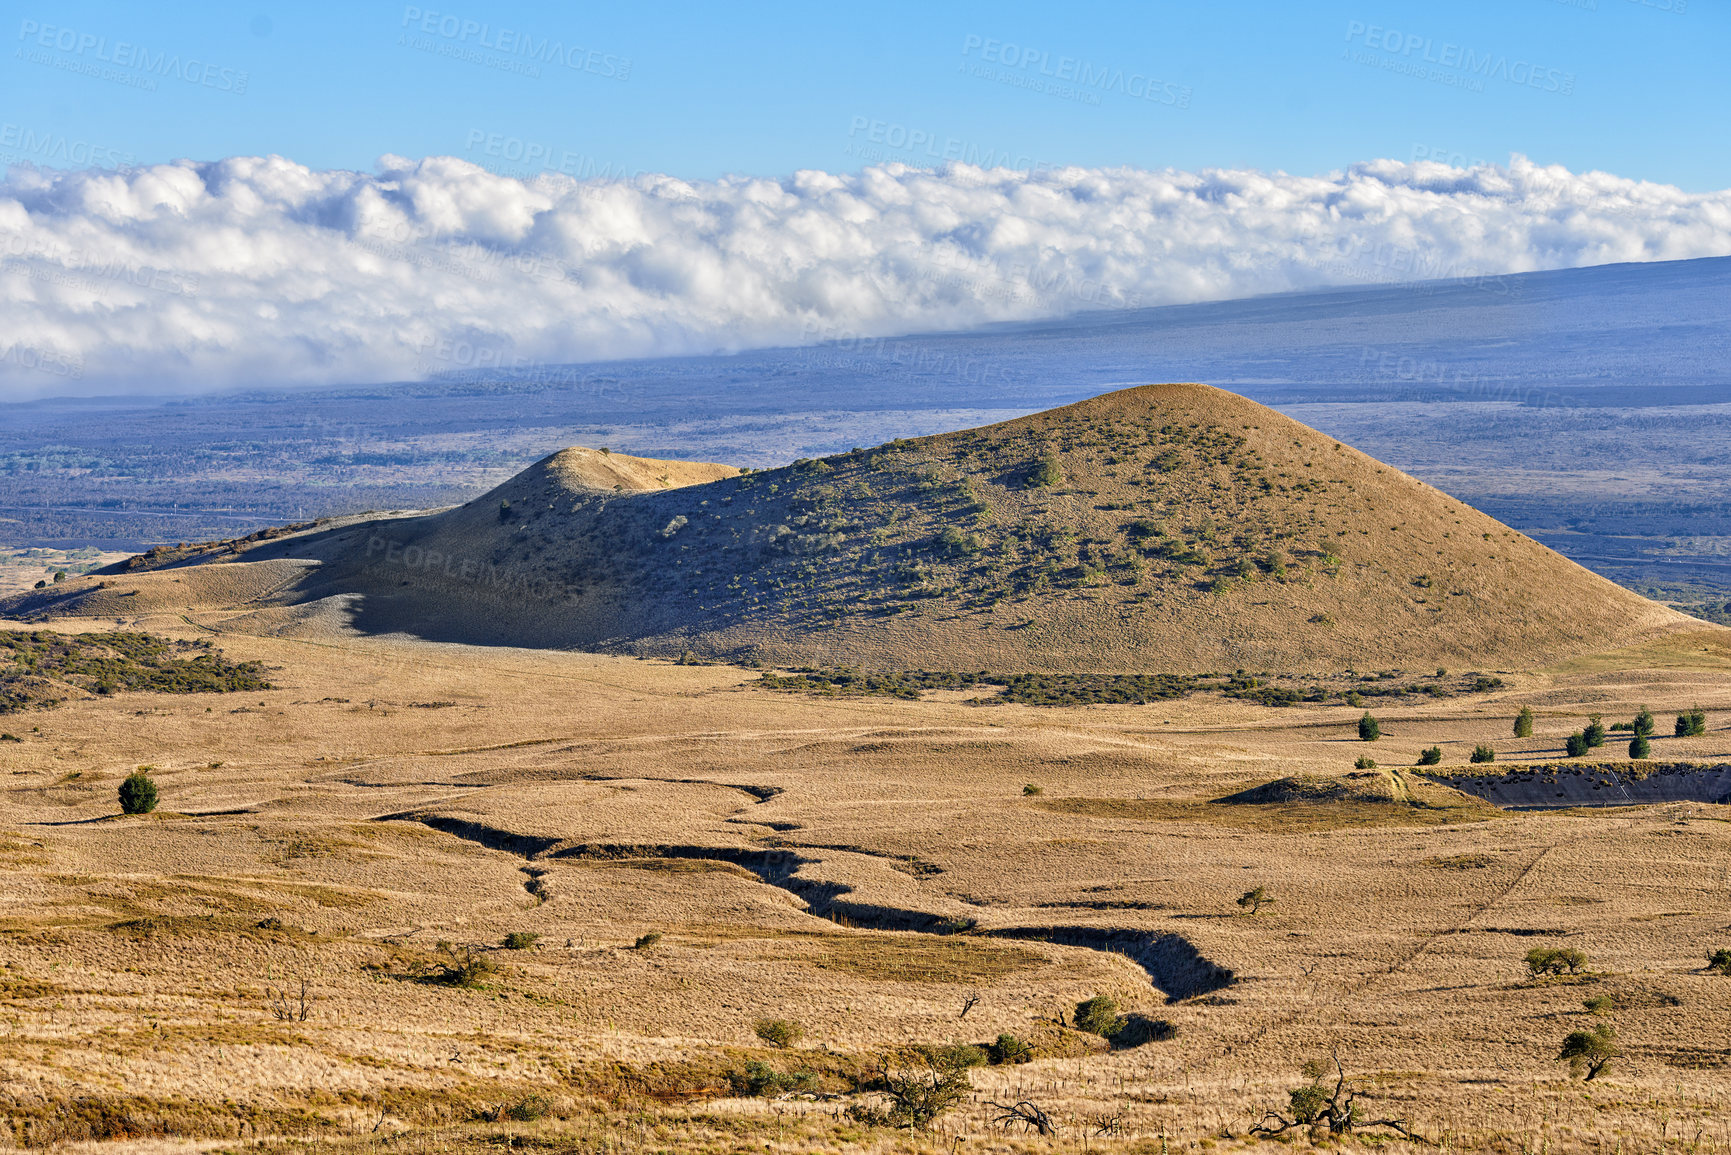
(1162, 528)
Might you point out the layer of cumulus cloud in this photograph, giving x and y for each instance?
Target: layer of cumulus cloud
(253, 271)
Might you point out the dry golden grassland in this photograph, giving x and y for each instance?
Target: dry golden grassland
(392, 809)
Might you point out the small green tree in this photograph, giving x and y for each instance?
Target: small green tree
(1308, 1102)
(1691, 725)
(1369, 730)
(955, 540)
(138, 793)
(1482, 753)
(1595, 732)
(756, 1079)
(1430, 757)
(1524, 723)
(1644, 723)
(461, 967)
(1010, 1049)
(1640, 747)
(1720, 960)
(520, 940)
(1254, 900)
(1098, 1016)
(782, 1033)
(1590, 1051)
(1364, 763)
(1576, 745)
(1046, 472)
(1550, 960)
(923, 1085)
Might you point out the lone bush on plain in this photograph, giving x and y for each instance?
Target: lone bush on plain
(138, 793)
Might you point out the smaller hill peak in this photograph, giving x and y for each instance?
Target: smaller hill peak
(580, 469)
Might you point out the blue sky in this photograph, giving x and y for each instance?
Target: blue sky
(1635, 87)
(1247, 148)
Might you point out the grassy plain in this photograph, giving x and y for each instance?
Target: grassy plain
(388, 795)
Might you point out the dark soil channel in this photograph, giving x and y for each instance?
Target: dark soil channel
(489, 836)
(1172, 964)
(760, 793)
(1567, 784)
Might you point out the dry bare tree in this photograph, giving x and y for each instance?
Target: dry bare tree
(1337, 1110)
(1025, 1114)
(288, 1008)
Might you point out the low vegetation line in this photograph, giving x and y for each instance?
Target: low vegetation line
(41, 668)
(1046, 689)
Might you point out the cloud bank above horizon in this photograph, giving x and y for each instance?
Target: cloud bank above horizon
(261, 272)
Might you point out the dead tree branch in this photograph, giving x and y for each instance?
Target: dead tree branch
(1025, 1113)
(1337, 1110)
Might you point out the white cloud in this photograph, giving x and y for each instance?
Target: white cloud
(260, 271)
